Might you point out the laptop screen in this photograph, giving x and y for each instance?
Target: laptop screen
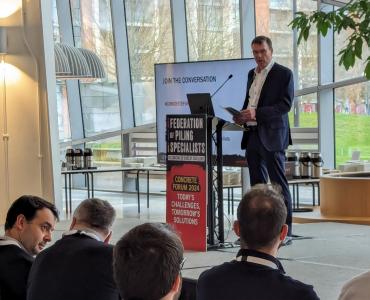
(200, 103)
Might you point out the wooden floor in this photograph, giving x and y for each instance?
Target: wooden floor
(315, 216)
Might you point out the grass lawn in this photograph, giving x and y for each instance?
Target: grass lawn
(352, 132)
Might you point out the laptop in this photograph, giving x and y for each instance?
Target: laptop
(200, 103)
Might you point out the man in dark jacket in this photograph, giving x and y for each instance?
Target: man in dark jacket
(29, 223)
(79, 266)
(256, 273)
(147, 263)
(269, 98)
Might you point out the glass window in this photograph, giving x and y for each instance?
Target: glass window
(107, 153)
(352, 121)
(92, 29)
(149, 33)
(304, 114)
(213, 29)
(304, 111)
(62, 99)
(56, 31)
(340, 40)
(63, 113)
(307, 51)
(272, 19)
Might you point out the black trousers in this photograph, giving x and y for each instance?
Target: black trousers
(264, 164)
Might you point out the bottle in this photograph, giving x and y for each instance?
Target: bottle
(78, 158)
(316, 166)
(88, 162)
(70, 153)
(292, 157)
(305, 165)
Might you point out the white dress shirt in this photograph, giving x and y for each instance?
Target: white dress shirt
(256, 87)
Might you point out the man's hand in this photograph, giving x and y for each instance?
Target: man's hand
(246, 115)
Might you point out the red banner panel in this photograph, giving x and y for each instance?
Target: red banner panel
(186, 198)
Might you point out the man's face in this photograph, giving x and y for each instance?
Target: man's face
(262, 54)
(36, 233)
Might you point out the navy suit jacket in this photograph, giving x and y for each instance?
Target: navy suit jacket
(275, 102)
(238, 280)
(15, 264)
(77, 267)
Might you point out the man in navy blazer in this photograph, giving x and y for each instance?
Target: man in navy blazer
(256, 273)
(270, 92)
(29, 224)
(78, 266)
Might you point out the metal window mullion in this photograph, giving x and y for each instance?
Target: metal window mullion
(325, 94)
(123, 64)
(247, 32)
(179, 30)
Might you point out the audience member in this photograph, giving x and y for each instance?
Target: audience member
(78, 266)
(28, 226)
(256, 273)
(357, 288)
(147, 263)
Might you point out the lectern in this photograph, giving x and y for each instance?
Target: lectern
(194, 174)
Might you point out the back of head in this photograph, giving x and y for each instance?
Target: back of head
(261, 216)
(146, 261)
(95, 213)
(28, 206)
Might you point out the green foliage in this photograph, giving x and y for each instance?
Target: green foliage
(354, 16)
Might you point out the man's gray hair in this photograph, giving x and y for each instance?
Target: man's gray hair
(96, 213)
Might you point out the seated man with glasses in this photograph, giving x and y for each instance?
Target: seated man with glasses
(256, 273)
(147, 262)
(28, 226)
(78, 266)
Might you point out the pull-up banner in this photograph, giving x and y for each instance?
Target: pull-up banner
(186, 197)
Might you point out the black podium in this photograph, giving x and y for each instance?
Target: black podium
(215, 179)
(201, 103)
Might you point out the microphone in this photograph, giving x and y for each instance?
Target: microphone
(228, 78)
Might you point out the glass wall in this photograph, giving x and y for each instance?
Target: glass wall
(352, 121)
(107, 154)
(307, 64)
(63, 112)
(149, 31)
(213, 29)
(212, 32)
(305, 109)
(92, 29)
(56, 31)
(62, 98)
(272, 19)
(340, 40)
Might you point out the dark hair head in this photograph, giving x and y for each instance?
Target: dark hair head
(146, 261)
(28, 206)
(260, 39)
(261, 215)
(95, 213)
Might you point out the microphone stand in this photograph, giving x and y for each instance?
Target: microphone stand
(227, 79)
